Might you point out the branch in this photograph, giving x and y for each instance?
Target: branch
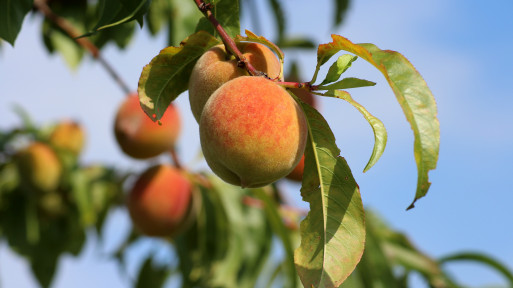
(298, 85)
(66, 26)
(175, 158)
(230, 45)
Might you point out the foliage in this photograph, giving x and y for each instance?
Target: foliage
(234, 239)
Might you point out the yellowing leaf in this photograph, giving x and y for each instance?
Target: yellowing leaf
(413, 95)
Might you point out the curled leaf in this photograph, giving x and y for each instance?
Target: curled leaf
(380, 133)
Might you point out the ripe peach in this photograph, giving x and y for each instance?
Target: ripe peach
(141, 138)
(252, 132)
(216, 67)
(159, 202)
(39, 167)
(68, 136)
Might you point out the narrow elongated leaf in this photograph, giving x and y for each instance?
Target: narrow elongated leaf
(271, 209)
(12, 13)
(347, 83)
(279, 18)
(482, 259)
(226, 13)
(151, 276)
(296, 42)
(380, 133)
(182, 19)
(375, 270)
(413, 95)
(340, 66)
(116, 12)
(82, 197)
(44, 268)
(167, 75)
(333, 233)
(340, 9)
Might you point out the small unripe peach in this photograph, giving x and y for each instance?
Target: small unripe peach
(39, 167)
(141, 138)
(216, 67)
(160, 201)
(252, 132)
(68, 136)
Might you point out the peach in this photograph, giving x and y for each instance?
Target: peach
(216, 67)
(252, 132)
(160, 201)
(68, 136)
(39, 167)
(141, 138)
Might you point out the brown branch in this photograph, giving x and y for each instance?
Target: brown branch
(72, 32)
(298, 85)
(176, 160)
(230, 45)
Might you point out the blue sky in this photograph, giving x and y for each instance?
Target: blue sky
(461, 49)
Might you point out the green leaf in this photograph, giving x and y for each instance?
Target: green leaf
(116, 12)
(296, 42)
(271, 209)
(340, 9)
(82, 197)
(340, 66)
(380, 133)
(156, 16)
(333, 233)
(279, 18)
(58, 41)
(347, 83)
(167, 75)
(44, 269)
(375, 269)
(401, 252)
(227, 13)
(249, 238)
(413, 95)
(12, 13)
(121, 35)
(151, 276)
(482, 259)
(183, 18)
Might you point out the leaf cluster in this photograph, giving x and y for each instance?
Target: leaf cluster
(43, 226)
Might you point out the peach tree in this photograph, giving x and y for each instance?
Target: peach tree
(258, 123)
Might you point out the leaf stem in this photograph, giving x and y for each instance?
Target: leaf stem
(229, 43)
(298, 85)
(72, 32)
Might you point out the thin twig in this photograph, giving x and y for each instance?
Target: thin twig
(176, 160)
(72, 32)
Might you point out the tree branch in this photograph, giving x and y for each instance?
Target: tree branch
(72, 32)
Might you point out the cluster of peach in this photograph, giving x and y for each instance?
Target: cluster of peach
(252, 133)
(41, 164)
